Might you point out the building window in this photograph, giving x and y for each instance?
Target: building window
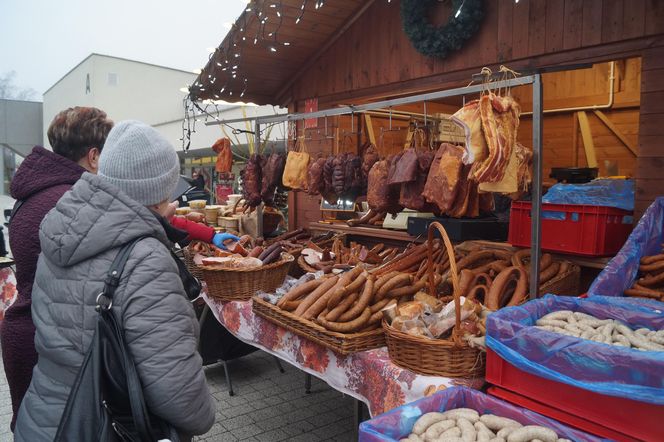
(87, 84)
(112, 79)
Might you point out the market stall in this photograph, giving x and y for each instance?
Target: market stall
(444, 228)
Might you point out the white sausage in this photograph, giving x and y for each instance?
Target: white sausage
(530, 432)
(561, 315)
(497, 439)
(496, 423)
(483, 432)
(435, 430)
(412, 438)
(425, 421)
(552, 322)
(638, 340)
(466, 413)
(506, 431)
(642, 331)
(468, 432)
(452, 432)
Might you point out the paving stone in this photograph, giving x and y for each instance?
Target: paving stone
(268, 405)
(272, 436)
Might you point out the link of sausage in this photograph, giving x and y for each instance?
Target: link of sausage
(362, 302)
(396, 281)
(320, 304)
(341, 292)
(344, 305)
(646, 260)
(548, 273)
(347, 327)
(314, 295)
(299, 291)
(492, 299)
(653, 267)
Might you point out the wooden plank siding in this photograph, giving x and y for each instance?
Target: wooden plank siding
(650, 163)
(376, 52)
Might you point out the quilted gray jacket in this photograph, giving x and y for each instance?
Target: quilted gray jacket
(80, 238)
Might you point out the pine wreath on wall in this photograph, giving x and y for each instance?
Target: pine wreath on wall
(439, 41)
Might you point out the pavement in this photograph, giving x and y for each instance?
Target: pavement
(268, 406)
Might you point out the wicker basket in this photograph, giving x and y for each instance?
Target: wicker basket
(439, 357)
(242, 284)
(189, 263)
(339, 342)
(567, 284)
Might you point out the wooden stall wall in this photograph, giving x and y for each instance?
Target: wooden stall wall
(588, 90)
(374, 58)
(650, 165)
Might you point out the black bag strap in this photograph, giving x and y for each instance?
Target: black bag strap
(139, 409)
(105, 298)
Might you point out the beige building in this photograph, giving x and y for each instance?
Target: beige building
(128, 89)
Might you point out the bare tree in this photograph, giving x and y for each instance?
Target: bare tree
(9, 90)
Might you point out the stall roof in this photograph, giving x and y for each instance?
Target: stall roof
(270, 45)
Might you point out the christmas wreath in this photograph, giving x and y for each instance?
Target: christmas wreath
(439, 41)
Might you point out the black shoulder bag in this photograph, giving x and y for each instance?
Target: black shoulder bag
(106, 402)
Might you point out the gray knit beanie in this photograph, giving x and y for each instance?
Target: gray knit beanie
(140, 161)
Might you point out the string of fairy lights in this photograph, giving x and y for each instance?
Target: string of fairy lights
(270, 15)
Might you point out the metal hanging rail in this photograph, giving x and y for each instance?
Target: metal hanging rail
(534, 79)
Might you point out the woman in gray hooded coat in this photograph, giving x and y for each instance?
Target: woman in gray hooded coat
(80, 237)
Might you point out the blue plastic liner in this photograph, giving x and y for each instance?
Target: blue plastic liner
(396, 424)
(598, 367)
(602, 192)
(645, 239)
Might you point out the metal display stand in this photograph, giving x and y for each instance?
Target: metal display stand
(534, 79)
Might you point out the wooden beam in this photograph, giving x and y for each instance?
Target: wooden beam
(612, 127)
(370, 131)
(314, 57)
(588, 144)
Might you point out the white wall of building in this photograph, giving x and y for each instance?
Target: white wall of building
(127, 89)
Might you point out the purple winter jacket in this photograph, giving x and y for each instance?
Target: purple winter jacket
(40, 181)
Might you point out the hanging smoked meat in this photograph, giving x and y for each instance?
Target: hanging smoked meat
(271, 172)
(382, 197)
(525, 173)
(251, 181)
(486, 203)
(500, 122)
(352, 177)
(468, 117)
(467, 192)
(411, 196)
(339, 174)
(315, 178)
(224, 152)
(444, 177)
(328, 175)
(404, 168)
(369, 158)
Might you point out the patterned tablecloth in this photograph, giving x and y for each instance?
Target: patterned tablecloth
(7, 290)
(369, 376)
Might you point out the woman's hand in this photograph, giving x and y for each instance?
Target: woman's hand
(219, 238)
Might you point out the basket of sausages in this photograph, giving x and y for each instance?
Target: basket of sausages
(340, 311)
(438, 347)
(242, 272)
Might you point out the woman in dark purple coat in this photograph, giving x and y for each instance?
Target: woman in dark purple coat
(77, 136)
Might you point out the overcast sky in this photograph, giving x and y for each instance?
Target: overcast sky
(43, 39)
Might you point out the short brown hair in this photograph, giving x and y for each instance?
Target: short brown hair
(74, 131)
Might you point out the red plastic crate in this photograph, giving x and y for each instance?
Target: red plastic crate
(607, 416)
(586, 230)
